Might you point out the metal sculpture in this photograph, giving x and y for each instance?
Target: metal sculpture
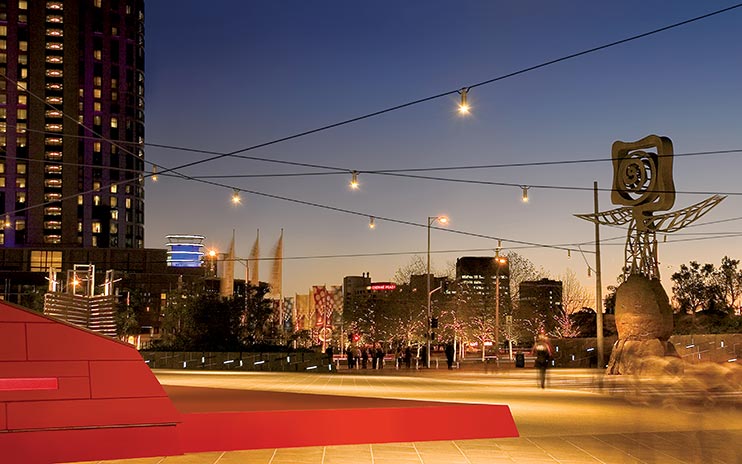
(643, 185)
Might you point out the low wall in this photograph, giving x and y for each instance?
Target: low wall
(237, 361)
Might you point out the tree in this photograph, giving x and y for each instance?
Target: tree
(574, 295)
(728, 281)
(217, 323)
(416, 266)
(694, 287)
(255, 322)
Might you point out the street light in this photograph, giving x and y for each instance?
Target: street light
(499, 260)
(431, 220)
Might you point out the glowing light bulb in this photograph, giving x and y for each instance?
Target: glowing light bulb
(443, 220)
(371, 223)
(354, 180)
(525, 193)
(463, 105)
(154, 173)
(236, 200)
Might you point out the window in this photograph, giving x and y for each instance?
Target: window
(55, 32)
(53, 127)
(96, 200)
(20, 168)
(114, 201)
(42, 261)
(114, 122)
(79, 200)
(97, 54)
(96, 147)
(55, 5)
(54, 73)
(20, 224)
(52, 238)
(53, 114)
(54, 100)
(54, 19)
(114, 214)
(54, 46)
(54, 59)
(53, 210)
(53, 225)
(96, 227)
(20, 182)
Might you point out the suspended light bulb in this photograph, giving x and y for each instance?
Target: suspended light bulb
(525, 193)
(463, 104)
(569, 254)
(7, 224)
(354, 180)
(154, 173)
(371, 223)
(236, 200)
(589, 272)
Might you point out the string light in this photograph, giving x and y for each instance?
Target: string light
(371, 223)
(354, 180)
(154, 173)
(7, 224)
(569, 254)
(464, 105)
(236, 200)
(525, 193)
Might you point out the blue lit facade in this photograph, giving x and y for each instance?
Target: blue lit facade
(185, 250)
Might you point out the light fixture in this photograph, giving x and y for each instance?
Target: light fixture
(212, 253)
(525, 193)
(371, 223)
(463, 105)
(236, 197)
(354, 180)
(7, 224)
(589, 272)
(154, 173)
(569, 254)
(443, 219)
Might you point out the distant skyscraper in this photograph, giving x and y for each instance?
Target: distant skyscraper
(541, 300)
(65, 65)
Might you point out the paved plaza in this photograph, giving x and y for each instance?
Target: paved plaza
(582, 417)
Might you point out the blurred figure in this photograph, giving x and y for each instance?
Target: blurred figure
(449, 355)
(542, 352)
(408, 357)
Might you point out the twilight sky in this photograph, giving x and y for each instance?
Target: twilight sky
(242, 73)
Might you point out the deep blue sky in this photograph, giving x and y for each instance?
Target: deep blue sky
(240, 73)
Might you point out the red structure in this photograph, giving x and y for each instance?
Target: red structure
(69, 394)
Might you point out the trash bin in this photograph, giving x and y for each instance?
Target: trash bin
(520, 360)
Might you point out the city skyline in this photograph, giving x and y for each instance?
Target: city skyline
(253, 73)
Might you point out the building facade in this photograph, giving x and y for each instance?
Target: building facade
(72, 123)
(541, 300)
(477, 279)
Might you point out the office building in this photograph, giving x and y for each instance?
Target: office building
(540, 300)
(478, 278)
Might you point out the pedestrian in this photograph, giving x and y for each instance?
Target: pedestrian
(364, 357)
(424, 356)
(407, 357)
(449, 355)
(379, 356)
(357, 357)
(349, 353)
(542, 352)
(330, 354)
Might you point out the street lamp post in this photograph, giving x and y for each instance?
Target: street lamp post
(431, 220)
(498, 261)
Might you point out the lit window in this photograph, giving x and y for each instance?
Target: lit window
(96, 185)
(96, 93)
(54, 100)
(54, 19)
(114, 202)
(96, 147)
(54, 59)
(79, 226)
(54, 86)
(97, 118)
(54, 225)
(97, 54)
(53, 183)
(96, 227)
(55, 5)
(53, 168)
(20, 224)
(42, 261)
(114, 122)
(54, 46)
(114, 188)
(127, 203)
(114, 214)
(2, 168)
(96, 200)
(21, 114)
(54, 72)
(114, 228)
(53, 127)
(53, 114)
(97, 3)
(55, 32)
(22, 5)
(20, 182)
(2, 181)
(53, 141)
(23, 45)
(22, 99)
(53, 239)
(54, 155)
(53, 211)
(20, 168)
(52, 197)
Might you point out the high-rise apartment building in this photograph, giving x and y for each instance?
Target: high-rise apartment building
(478, 279)
(72, 123)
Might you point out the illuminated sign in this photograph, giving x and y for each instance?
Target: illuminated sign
(382, 287)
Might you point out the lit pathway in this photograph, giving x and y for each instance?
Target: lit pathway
(572, 421)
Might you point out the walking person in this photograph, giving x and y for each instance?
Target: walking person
(449, 355)
(542, 352)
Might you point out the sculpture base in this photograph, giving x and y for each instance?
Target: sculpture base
(644, 357)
